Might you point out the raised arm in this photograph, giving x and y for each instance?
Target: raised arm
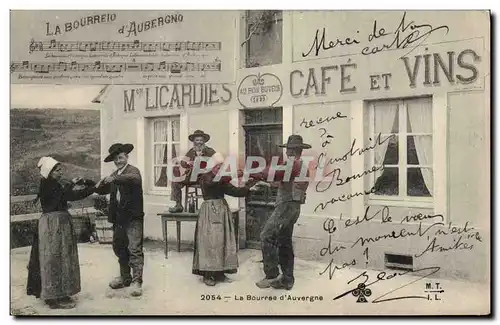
(279, 175)
(190, 154)
(232, 190)
(103, 189)
(71, 194)
(132, 177)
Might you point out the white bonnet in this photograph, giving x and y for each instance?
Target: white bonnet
(216, 159)
(46, 164)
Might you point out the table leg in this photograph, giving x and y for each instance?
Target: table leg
(165, 235)
(178, 236)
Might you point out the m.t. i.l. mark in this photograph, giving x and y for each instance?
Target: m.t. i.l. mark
(433, 290)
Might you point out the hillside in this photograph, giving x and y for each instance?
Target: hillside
(70, 136)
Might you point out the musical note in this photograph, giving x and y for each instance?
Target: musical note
(134, 67)
(106, 46)
(149, 47)
(98, 66)
(148, 67)
(175, 67)
(61, 66)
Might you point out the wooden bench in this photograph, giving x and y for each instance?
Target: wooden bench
(179, 217)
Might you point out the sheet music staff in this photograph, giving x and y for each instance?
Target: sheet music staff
(98, 66)
(136, 46)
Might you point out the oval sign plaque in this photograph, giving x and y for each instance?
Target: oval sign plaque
(260, 90)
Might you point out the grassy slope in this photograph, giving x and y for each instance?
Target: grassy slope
(70, 136)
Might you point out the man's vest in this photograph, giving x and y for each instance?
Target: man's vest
(292, 191)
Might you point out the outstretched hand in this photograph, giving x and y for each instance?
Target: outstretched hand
(256, 185)
(100, 183)
(251, 182)
(108, 179)
(76, 180)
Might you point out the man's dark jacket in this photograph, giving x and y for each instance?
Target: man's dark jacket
(191, 154)
(131, 205)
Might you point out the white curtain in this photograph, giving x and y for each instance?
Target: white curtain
(160, 130)
(176, 125)
(385, 119)
(160, 155)
(176, 130)
(420, 116)
(160, 135)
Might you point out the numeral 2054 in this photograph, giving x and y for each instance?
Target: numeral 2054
(211, 297)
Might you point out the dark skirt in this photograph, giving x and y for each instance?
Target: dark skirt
(215, 240)
(54, 269)
(34, 286)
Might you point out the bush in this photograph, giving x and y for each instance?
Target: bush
(26, 207)
(22, 233)
(101, 204)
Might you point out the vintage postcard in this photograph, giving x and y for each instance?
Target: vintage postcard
(262, 162)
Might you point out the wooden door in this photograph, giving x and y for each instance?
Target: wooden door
(261, 139)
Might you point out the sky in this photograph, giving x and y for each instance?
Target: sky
(53, 96)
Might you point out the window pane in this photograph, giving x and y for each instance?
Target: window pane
(264, 144)
(271, 116)
(176, 124)
(388, 152)
(419, 150)
(264, 37)
(160, 130)
(160, 154)
(386, 115)
(260, 116)
(419, 115)
(161, 179)
(388, 182)
(275, 139)
(175, 150)
(253, 117)
(256, 145)
(417, 185)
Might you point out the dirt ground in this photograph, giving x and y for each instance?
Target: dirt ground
(170, 289)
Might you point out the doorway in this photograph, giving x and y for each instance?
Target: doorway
(263, 133)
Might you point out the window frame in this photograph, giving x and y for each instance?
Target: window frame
(403, 200)
(169, 142)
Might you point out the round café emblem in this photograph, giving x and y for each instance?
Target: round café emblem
(260, 90)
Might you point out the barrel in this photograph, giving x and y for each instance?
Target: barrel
(82, 227)
(104, 230)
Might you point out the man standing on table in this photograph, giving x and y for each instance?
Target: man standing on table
(199, 149)
(126, 213)
(276, 236)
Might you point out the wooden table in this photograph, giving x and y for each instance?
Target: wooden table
(179, 217)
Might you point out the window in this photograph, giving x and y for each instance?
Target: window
(165, 147)
(405, 149)
(263, 37)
